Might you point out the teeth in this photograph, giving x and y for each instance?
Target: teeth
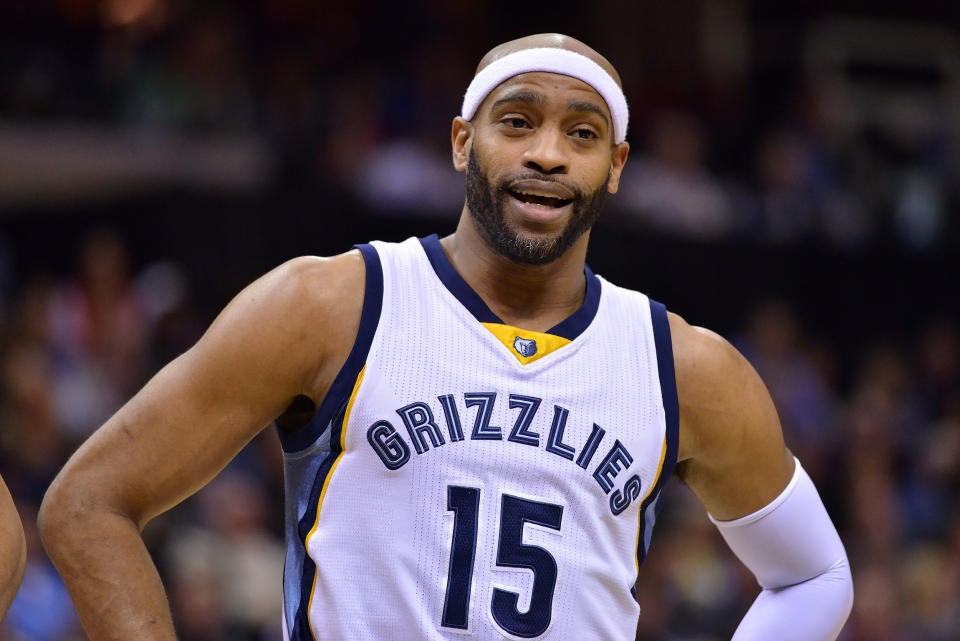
(538, 200)
(540, 195)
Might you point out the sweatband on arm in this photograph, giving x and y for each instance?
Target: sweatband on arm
(551, 60)
(792, 547)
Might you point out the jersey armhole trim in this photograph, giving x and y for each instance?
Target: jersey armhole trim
(339, 393)
(671, 410)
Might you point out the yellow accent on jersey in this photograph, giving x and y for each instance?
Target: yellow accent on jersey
(326, 484)
(656, 479)
(546, 343)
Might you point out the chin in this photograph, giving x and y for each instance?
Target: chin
(530, 248)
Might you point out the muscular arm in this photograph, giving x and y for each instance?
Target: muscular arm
(733, 457)
(732, 453)
(13, 550)
(282, 337)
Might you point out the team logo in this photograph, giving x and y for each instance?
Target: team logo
(526, 347)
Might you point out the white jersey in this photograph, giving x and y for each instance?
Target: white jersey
(465, 479)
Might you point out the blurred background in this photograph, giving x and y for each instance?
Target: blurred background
(792, 184)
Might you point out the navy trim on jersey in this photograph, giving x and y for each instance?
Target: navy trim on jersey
(569, 328)
(339, 393)
(300, 631)
(573, 325)
(454, 281)
(671, 409)
(301, 623)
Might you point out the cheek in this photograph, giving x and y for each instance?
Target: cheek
(595, 177)
(499, 154)
(591, 165)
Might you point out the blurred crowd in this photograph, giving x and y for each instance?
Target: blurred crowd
(71, 352)
(883, 447)
(746, 125)
(742, 131)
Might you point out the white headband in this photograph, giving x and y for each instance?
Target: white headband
(550, 60)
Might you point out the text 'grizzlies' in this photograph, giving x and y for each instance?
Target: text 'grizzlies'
(424, 432)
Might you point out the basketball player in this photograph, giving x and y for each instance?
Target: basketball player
(13, 550)
(477, 429)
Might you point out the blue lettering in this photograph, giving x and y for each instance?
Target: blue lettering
(388, 444)
(528, 408)
(611, 464)
(419, 421)
(590, 447)
(631, 490)
(453, 417)
(426, 433)
(555, 444)
(482, 430)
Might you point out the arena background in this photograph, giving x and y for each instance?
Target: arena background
(792, 184)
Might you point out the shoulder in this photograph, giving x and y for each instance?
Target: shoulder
(301, 317)
(313, 280)
(721, 397)
(307, 290)
(703, 360)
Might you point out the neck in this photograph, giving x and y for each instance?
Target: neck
(533, 297)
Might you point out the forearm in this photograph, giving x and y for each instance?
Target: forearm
(814, 609)
(793, 549)
(112, 580)
(13, 550)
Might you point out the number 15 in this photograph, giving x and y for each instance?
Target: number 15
(515, 512)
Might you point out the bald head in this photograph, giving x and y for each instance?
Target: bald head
(552, 41)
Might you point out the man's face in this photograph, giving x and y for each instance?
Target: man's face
(540, 165)
(489, 205)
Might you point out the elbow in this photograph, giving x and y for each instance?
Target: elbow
(61, 515)
(49, 524)
(13, 562)
(846, 597)
(20, 563)
(76, 513)
(834, 589)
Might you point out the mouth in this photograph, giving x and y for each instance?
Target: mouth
(540, 200)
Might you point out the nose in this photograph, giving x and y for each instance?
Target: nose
(547, 153)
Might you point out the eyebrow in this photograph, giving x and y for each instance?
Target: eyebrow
(524, 96)
(583, 105)
(533, 98)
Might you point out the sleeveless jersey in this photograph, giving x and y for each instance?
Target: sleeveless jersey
(465, 479)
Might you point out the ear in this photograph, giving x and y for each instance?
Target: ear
(619, 159)
(461, 137)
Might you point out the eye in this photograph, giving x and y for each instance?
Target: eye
(585, 134)
(515, 122)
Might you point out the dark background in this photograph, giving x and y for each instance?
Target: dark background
(792, 184)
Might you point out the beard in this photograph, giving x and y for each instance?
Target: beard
(486, 202)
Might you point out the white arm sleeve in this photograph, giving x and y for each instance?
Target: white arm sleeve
(794, 551)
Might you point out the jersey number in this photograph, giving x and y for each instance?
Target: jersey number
(515, 512)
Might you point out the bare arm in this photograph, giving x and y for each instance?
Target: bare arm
(282, 337)
(13, 550)
(732, 453)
